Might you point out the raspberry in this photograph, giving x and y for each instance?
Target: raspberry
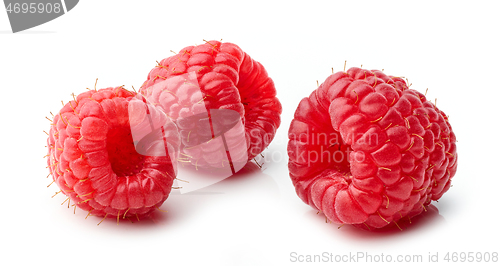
(222, 100)
(111, 153)
(366, 150)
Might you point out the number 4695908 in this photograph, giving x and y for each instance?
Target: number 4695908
(34, 8)
(471, 257)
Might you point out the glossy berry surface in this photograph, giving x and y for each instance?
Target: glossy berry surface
(211, 90)
(112, 153)
(366, 150)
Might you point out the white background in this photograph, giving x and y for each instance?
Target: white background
(451, 48)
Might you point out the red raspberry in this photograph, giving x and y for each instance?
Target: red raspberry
(366, 150)
(108, 153)
(212, 90)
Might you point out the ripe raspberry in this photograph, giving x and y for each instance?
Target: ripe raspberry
(111, 153)
(366, 150)
(213, 90)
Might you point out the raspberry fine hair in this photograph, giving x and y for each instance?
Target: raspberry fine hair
(113, 154)
(366, 150)
(216, 89)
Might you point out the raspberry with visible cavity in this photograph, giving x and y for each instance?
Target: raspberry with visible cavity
(112, 153)
(366, 150)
